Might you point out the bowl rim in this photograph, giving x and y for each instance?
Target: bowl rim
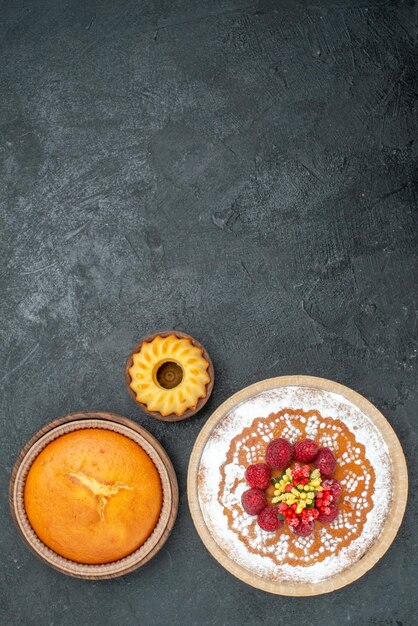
(109, 421)
(209, 387)
(391, 524)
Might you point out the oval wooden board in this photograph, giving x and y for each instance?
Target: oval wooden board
(378, 549)
(95, 419)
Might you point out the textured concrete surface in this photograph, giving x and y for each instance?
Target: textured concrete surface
(245, 171)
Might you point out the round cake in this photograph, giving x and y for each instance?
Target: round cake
(287, 521)
(93, 496)
(169, 375)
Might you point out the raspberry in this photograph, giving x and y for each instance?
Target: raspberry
(279, 453)
(292, 520)
(327, 498)
(300, 474)
(268, 519)
(306, 450)
(325, 462)
(258, 476)
(334, 487)
(328, 515)
(253, 501)
(302, 529)
(309, 515)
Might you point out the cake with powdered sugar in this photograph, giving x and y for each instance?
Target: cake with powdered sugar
(290, 511)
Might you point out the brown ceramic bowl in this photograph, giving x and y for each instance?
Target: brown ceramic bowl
(124, 426)
(209, 387)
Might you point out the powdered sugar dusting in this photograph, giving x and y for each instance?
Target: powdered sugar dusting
(283, 556)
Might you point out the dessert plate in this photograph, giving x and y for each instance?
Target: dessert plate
(115, 423)
(370, 465)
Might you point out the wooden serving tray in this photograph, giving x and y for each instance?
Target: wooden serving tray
(124, 426)
(391, 525)
(202, 401)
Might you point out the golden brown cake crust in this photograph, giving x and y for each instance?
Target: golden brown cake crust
(93, 496)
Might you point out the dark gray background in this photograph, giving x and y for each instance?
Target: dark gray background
(244, 171)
